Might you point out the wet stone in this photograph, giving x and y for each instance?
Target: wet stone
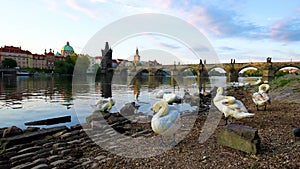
(87, 163)
(53, 158)
(79, 166)
(240, 137)
(105, 160)
(40, 142)
(21, 161)
(58, 162)
(66, 135)
(8, 155)
(46, 145)
(40, 161)
(95, 165)
(74, 142)
(59, 145)
(24, 166)
(100, 157)
(30, 149)
(31, 129)
(75, 132)
(12, 131)
(58, 134)
(65, 152)
(76, 127)
(41, 166)
(4, 166)
(45, 154)
(22, 156)
(57, 150)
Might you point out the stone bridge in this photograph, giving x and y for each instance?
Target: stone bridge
(232, 69)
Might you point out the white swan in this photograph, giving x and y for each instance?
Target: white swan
(172, 98)
(262, 98)
(161, 93)
(166, 120)
(229, 106)
(105, 104)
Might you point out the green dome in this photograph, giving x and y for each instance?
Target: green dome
(67, 47)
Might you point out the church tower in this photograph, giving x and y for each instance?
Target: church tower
(137, 57)
(106, 61)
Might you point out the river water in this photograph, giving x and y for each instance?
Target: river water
(24, 99)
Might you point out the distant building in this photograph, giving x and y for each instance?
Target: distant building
(50, 59)
(93, 62)
(25, 59)
(67, 50)
(22, 57)
(39, 61)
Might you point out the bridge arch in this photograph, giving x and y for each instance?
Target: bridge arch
(285, 66)
(187, 71)
(162, 72)
(249, 67)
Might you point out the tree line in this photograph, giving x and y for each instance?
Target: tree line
(60, 67)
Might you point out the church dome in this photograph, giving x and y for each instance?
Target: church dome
(67, 47)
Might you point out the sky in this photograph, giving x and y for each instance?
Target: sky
(244, 30)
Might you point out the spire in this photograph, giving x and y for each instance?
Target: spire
(137, 51)
(106, 46)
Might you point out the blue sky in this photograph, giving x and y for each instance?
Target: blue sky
(246, 30)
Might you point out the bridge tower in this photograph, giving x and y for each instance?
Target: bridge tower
(232, 73)
(106, 62)
(203, 76)
(268, 71)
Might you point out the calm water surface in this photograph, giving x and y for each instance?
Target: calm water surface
(24, 99)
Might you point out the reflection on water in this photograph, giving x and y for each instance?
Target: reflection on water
(24, 99)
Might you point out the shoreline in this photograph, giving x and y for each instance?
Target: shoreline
(72, 147)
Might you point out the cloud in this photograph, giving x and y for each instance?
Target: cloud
(224, 23)
(201, 49)
(168, 45)
(286, 30)
(81, 7)
(73, 17)
(225, 48)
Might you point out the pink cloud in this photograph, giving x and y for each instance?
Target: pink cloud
(73, 4)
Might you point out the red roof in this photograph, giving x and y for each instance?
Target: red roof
(12, 49)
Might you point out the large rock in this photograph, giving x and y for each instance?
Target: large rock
(240, 137)
(129, 109)
(12, 131)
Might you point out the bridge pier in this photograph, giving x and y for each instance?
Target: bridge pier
(174, 73)
(268, 75)
(232, 77)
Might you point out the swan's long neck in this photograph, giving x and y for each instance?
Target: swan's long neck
(161, 108)
(110, 103)
(219, 95)
(264, 87)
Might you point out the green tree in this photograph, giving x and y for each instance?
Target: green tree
(9, 63)
(252, 72)
(82, 64)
